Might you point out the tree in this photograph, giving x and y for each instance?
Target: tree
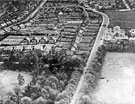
(73, 81)
(17, 95)
(26, 100)
(86, 99)
(89, 78)
(45, 93)
(81, 1)
(8, 101)
(128, 34)
(49, 102)
(52, 94)
(73, 62)
(99, 56)
(31, 61)
(53, 78)
(39, 100)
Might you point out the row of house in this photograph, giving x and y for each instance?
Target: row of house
(27, 40)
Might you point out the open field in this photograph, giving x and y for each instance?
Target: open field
(8, 80)
(123, 19)
(118, 85)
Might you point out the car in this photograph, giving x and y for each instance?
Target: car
(104, 25)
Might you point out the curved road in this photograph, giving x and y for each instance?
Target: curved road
(98, 42)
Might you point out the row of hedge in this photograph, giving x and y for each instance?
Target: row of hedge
(120, 47)
(92, 75)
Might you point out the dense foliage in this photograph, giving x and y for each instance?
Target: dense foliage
(92, 75)
(55, 78)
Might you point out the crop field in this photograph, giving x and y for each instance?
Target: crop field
(125, 19)
(117, 85)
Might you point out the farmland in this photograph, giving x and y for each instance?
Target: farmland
(124, 19)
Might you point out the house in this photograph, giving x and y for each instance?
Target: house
(43, 40)
(115, 33)
(26, 41)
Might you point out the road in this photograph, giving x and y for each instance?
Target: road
(126, 4)
(98, 42)
(35, 11)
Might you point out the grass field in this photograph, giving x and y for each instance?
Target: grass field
(118, 85)
(8, 81)
(123, 19)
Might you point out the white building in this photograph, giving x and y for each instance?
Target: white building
(115, 33)
(132, 31)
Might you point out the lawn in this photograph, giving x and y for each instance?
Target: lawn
(8, 81)
(123, 19)
(117, 85)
